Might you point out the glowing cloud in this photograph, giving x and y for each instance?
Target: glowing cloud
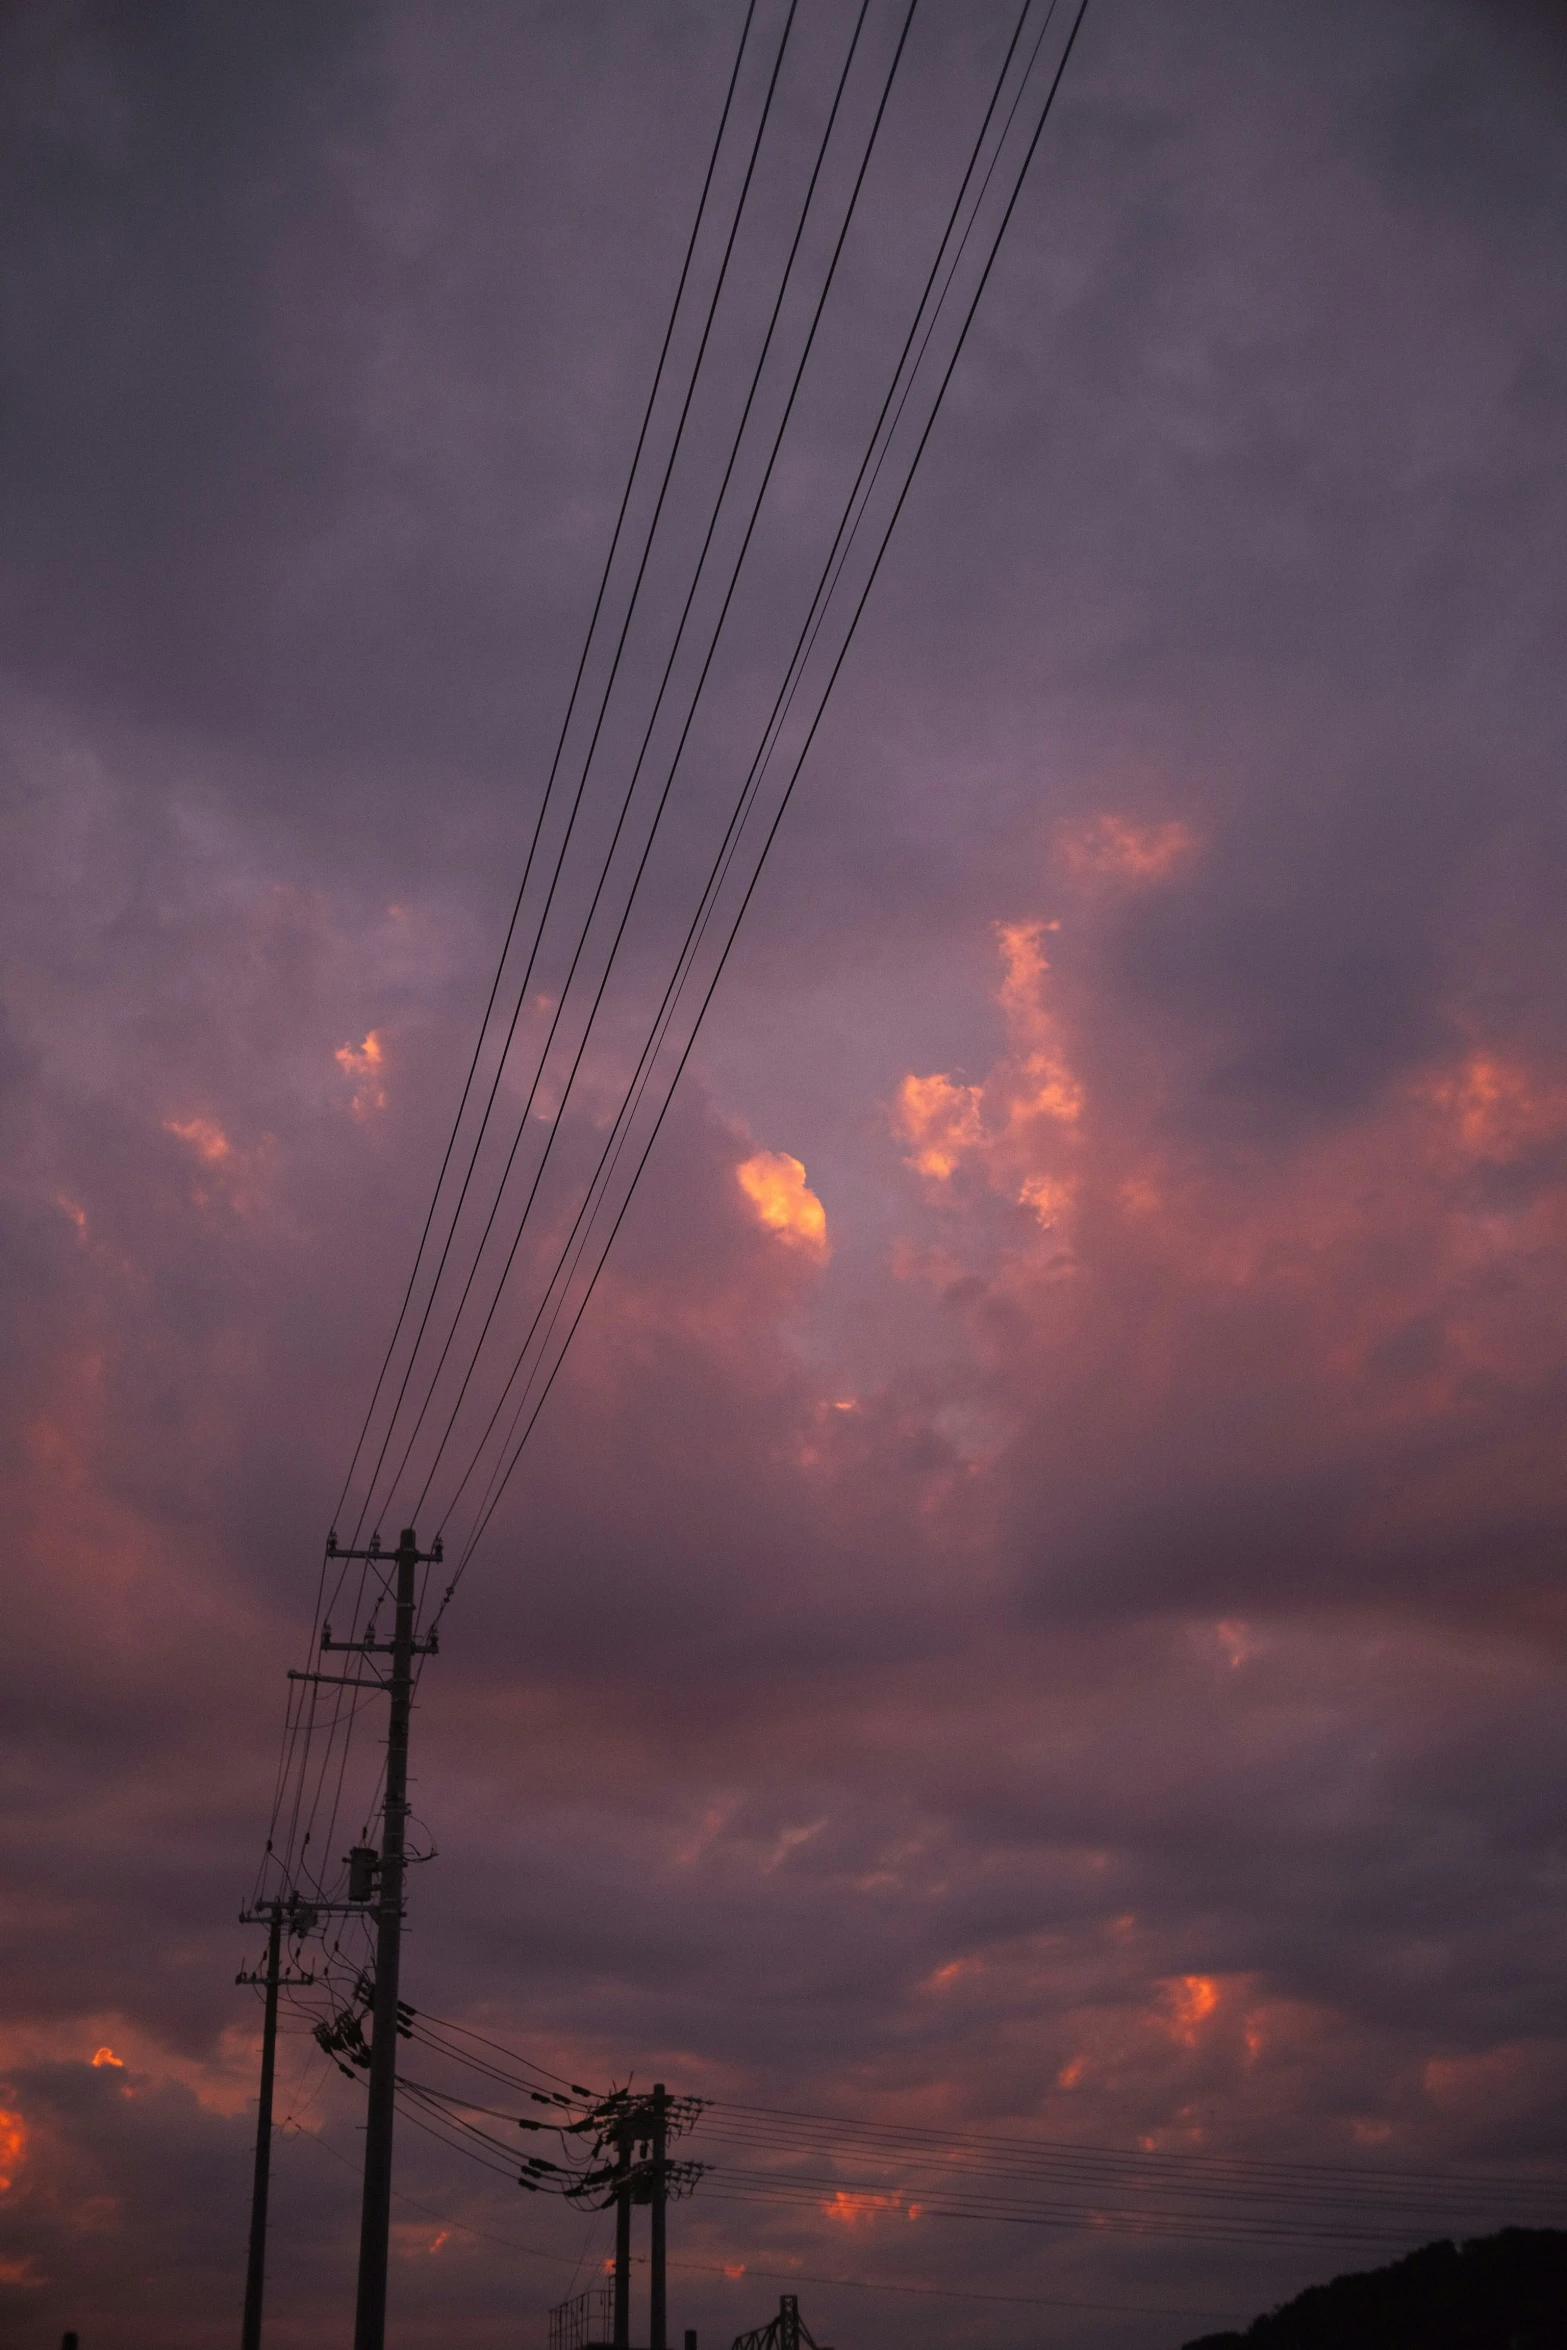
(363, 1063)
(775, 1185)
(941, 1120)
(228, 1175)
(13, 2146)
(1011, 1126)
(1499, 1108)
(107, 2056)
(1111, 847)
(852, 2210)
(204, 1136)
(1191, 1999)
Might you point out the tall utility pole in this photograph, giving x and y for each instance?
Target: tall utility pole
(376, 2213)
(659, 2184)
(256, 2267)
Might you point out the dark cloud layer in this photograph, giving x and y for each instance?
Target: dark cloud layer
(1079, 1652)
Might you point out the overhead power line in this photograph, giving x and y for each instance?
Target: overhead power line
(815, 2163)
(570, 1252)
(551, 1315)
(301, 1726)
(471, 1539)
(747, 2270)
(638, 763)
(1001, 2163)
(614, 669)
(318, 1733)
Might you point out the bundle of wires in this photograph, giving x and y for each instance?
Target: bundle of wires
(650, 834)
(839, 2166)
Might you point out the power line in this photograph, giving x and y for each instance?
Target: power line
(555, 1127)
(1055, 83)
(789, 2275)
(777, 2125)
(685, 410)
(831, 571)
(1239, 2179)
(657, 707)
(291, 1742)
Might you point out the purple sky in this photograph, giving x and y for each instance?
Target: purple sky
(1036, 1603)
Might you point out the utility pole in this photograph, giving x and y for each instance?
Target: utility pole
(300, 1919)
(623, 2238)
(402, 1648)
(657, 2306)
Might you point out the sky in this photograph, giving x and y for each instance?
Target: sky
(1035, 1603)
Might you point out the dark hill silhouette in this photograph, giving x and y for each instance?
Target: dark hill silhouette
(1502, 2292)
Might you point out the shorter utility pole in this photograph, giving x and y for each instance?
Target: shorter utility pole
(623, 2189)
(659, 2199)
(299, 1918)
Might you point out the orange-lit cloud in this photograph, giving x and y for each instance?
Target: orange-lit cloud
(1191, 1999)
(855, 2209)
(13, 2146)
(205, 1137)
(942, 1122)
(364, 1063)
(237, 1178)
(107, 2056)
(775, 1185)
(1017, 1126)
(1113, 847)
(1500, 1109)
(942, 1978)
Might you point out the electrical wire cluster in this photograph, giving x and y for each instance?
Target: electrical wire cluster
(605, 2144)
(858, 2168)
(721, 622)
(855, 2167)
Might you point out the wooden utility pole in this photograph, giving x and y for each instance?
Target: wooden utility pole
(375, 2223)
(256, 2266)
(659, 2200)
(623, 2187)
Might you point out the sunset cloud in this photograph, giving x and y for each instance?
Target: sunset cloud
(13, 2147)
(1113, 847)
(783, 1202)
(1015, 1127)
(237, 1179)
(1065, 1643)
(365, 1065)
(854, 2208)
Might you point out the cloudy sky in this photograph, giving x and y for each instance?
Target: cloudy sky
(1035, 1604)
